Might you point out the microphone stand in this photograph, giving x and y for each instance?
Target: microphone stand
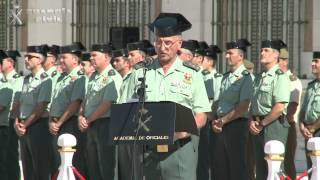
(139, 118)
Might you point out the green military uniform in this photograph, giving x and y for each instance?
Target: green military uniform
(124, 86)
(229, 146)
(53, 75)
(35, 145)
(311, 103)
(16, 82)
(270, 87)
(311, 108)
(6, 94)
(104, 86)
(184, 85)
(212, 81)
(69, 88)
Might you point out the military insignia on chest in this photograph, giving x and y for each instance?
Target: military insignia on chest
(105, 80)
(238, 78)
(187, 78)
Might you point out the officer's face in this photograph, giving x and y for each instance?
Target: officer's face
(207, 63)
(269, 55)
(7, 64)
(68, 61)
(87, 68)
(185, 55)
(32, 60)
(283, 64)
(120, 64)
(197, 59)
(135, 56)
(50, 60)
(167, 47)
(234, 57)
(99, 59)
(316, 66)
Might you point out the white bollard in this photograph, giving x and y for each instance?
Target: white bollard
(66, 142)
(314, 146)
(274, 149)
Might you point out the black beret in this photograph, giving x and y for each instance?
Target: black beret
(169, 24)
(212, 51)
(13, 54)
(104, 48)
(238, 44)
(316, 55)
(274, 44)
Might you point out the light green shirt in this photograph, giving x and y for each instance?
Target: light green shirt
(36, 89)
(69, 87)
(6, 94)
(311, 103)
(270, 88)
(16, 82)
(212, 81)
(181, 84)
(102, 87)
(124, 87)
(236, 87)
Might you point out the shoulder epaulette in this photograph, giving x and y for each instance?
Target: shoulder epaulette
(138, 65)
(80, 72)
(54, 73)
(3, 80)
(28, 76)
(62, 76)
(111, 73)
(216, 75)
(293, 77)
(43, 75)
(191, 65)
(279, 72)
(245, 72)
(226, 73)
(205, 72)
(311, 82)
(16, 76)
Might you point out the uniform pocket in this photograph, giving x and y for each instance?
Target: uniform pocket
(316, 103)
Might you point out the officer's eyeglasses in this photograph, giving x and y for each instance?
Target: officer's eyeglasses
(166, 43)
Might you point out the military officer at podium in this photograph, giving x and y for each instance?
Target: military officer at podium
(269, 104)
(32, 123)
(170, 79)
(103, 90)
(230, 117)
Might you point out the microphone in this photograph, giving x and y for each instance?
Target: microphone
(148, 61)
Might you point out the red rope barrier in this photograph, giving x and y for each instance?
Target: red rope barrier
(74, 170)
(77, 173)
(55, 175)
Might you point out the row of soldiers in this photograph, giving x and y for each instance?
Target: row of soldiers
(39, 107)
